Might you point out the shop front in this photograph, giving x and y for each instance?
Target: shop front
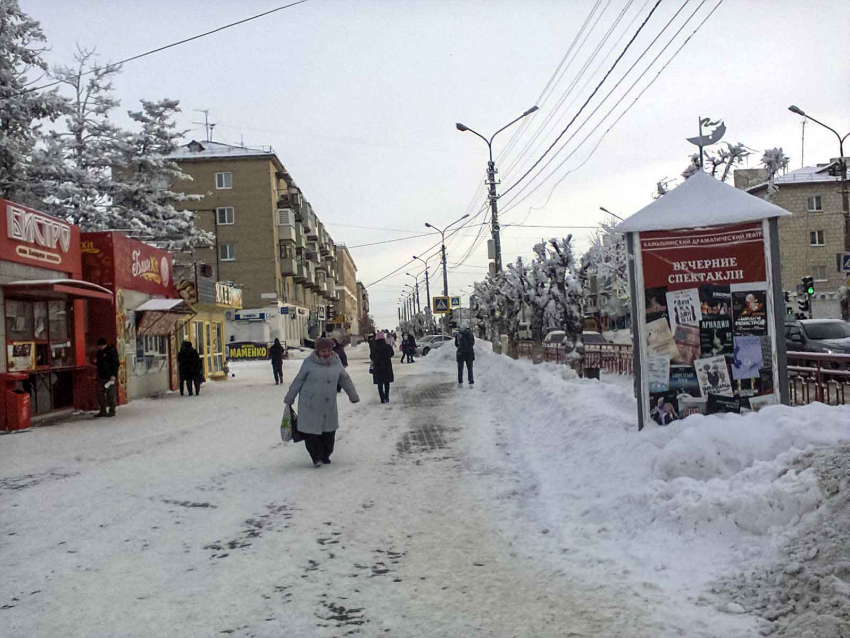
(44, 303)
(211, 302)
(145, 315)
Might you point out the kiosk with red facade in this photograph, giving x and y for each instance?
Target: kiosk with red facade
(143, 316)
(43, 360)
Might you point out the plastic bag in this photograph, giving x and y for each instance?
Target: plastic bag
(286, 423)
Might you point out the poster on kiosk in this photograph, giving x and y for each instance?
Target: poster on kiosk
(705, 283)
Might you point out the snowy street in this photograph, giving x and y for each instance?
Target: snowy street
(527, 506)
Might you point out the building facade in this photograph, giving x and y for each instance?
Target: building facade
(346, 285)
(268, 240)
(811, 238)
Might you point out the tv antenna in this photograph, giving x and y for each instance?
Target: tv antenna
(208, 126)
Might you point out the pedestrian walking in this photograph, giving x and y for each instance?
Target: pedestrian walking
(315, 385)
(465, 344)
(411, 347)
(107, 364)
(339, 350)
(403, 347)
(389, 338)
(190, 367)
(276, 355)
(382, 366)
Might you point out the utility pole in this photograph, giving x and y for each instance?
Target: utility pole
(427, 284)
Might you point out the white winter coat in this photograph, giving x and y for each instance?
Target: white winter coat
(315, 385)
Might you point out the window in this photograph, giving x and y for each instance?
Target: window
(814, 204)
(816, 238)
(43, 326)
(150, 346)
(227, 252)
(820, 273)
(225, 216)
(224, 180)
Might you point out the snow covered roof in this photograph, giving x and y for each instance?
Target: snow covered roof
(700, 201)
(804, 175)
(164, 305)
(208, 150)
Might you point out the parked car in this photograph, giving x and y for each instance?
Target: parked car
(430, 342)
(830, 336)
(556, 337)
(524, 331)
(591, 337)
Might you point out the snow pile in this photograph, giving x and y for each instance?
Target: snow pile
(678, 507)
(806, 592)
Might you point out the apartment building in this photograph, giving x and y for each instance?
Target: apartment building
(268, 240)
(347, 309)
(811, 238)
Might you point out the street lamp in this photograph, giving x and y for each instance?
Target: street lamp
(605, 210)
(491, 180)
(443, 234)
(427, 283)
(845, 201)
(416, 279)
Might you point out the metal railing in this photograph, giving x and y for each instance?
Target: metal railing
(614, 358)
(813, 376)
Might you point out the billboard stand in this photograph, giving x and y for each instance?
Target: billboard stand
(705, 281)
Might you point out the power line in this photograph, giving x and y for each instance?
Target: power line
(390, 241)
(586, 102)
(169, 46)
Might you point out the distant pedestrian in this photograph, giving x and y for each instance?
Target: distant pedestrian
(411, 348)
(403, 347)
(390, 338)
(339, 350)
(465, 344)
(190, 367)
(276, 355)
(315, 385)
(382, 366)
(107, 364)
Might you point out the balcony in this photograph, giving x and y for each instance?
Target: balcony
(313, 252)
(292, 201)
(308, 219)
(286, 233)
(300, 239)
(313, 230)
(302, 272)
(287, 260)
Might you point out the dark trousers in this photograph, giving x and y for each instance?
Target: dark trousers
(190, 382)
(277, 369)
(460, 362)
(384, 391)
(409, 357)
(403, 355)
(107, 397)
(319, 446)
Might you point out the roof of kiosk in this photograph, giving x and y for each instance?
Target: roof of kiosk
(700, 201)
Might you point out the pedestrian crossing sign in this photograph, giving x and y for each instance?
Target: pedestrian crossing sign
(441, 305)
(455, 302)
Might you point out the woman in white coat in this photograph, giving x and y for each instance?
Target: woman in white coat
(315, 385)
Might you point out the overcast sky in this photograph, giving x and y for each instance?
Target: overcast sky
(359, 100)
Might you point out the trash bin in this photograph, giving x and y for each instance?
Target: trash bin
(17, 410)
(591, 373)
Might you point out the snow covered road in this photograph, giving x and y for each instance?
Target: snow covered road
(527, 507)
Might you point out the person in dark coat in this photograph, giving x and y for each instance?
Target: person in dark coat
(403, 346)
(276, 355)
(382, 366)
(314, 385)
(107, 363)
(411, 347)
(465, 344)
(339, 350)
(190, 367)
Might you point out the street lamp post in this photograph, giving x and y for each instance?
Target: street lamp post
(443, 252)
(605, 210)
(491, 180)
(427, 284)
(416, 279)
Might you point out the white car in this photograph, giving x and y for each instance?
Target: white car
(430, 342)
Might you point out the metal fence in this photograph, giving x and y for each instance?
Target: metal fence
(812, 377)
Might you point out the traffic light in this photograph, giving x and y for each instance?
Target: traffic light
(803, 304)
(787, 297)
(789, 311)
(809, 285)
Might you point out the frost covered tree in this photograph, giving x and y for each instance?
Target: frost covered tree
(563, 309)
(774, 160)
(607, 258)
(73, 170)
(22, 109)
(726, 159)
(143, 201)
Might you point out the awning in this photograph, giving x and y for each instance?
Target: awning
(57, 289)
(162, 317)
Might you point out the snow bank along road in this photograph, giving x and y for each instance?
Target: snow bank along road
(526, 507)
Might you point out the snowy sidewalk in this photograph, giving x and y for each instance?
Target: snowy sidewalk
(525, 507)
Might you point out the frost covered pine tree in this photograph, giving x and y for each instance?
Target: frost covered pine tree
(73, 170)
(142, 198)
(22, 109)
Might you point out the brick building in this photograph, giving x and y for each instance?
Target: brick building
(268, 240)
(810, 239)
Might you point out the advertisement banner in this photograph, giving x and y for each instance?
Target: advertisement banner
(247, 350)
(37, 239)
(115, 261)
